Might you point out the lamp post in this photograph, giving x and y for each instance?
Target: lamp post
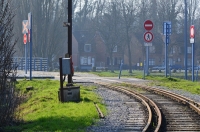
(185, 41)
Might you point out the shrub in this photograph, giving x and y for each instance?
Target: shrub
(174, 70)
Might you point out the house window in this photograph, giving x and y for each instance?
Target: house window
(87, 47)
(152, 49)
(84, 60)
(173, 50)
(151, 62)
(189, 50)
(179, 50)
(189, 62)
(115, 49)
(89, 60)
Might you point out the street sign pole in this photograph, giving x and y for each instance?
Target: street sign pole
(192, 36)
(166, 32)
(30, 29)
(193, 62)
(144, 70)
(147, 60)
(185, 40)
(25, 58)
(166, 55)
(148, 37)
(166, 49)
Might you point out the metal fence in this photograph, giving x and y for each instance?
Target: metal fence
(177, 74)
(38, 64)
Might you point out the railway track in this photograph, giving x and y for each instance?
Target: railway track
(136, 120)
(166, 111)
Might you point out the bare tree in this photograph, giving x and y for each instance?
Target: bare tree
(109, 26)
(129, 17)
(8, 96)
(49, 35)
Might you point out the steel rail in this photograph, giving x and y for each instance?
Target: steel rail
(145, 101)
(179, 98)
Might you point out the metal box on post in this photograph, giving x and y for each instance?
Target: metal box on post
(69, 92)
(66, 68)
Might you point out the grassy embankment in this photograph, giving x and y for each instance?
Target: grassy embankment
(43, 112)
(158, 80)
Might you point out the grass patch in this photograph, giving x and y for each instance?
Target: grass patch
(158, 79)
(42, 111)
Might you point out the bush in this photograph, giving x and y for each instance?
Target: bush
(174, 70)
(106, 68)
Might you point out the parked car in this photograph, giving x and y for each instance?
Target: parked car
(158, 68)
(195, 68)
(176, 67)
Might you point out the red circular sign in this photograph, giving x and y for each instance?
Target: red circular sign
(192, 31)
(25, 39)
(148, 36)
(148, 25)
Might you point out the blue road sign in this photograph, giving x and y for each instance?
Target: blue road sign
(167, 26)
(167, 39)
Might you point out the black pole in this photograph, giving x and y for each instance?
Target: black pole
(61, 81)
(70, 34)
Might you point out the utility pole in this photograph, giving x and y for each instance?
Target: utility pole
(185, 39)
(70, 35)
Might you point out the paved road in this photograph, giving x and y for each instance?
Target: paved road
(78, 77)
(37, 74)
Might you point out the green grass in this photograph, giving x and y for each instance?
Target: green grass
(43, 112)
(159, 79)
(124, 73)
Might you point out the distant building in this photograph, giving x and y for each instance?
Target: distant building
(92, 51)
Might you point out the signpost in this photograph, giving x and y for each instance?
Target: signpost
(148, 37)
(25, 31)
(25, 39)
(30, 40)
(148, 25)
(24, 26)
(166, 31)
(192, 36)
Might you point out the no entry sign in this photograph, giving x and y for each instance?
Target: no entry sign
(148, 25)
(192, 31)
